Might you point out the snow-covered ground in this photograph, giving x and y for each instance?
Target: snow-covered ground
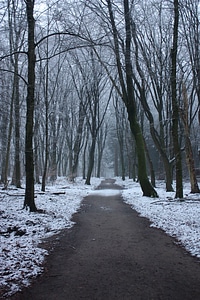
(21, 232)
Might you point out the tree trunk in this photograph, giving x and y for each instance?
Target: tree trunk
(116, 160)
(70, 155)
(9, 139)
(91, 161)
(53, 165)
(188, 145)
(152, 173)
(155, 136)
(121, 154)
(175, 106)
(100, 146)
(4, 137)
(46, 100)
(146, 186)
(78, 141)
(191, 166)
(168, 174)
(84, 161)
(36, 148)
(29, 162)
(129, 98)
(16, 180)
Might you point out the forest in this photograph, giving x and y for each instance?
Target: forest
(100, 88)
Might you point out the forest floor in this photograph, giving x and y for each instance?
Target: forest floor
(112, 253)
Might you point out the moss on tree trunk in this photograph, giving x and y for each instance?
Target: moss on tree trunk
(145, 184)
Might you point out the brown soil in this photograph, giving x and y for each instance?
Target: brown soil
(112, 253)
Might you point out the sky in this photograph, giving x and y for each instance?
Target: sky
(21, 232)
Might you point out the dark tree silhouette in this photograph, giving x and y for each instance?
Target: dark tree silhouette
(29, 163)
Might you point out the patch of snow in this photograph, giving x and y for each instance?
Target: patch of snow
(106, 208)
(21, 232)
(105, 193)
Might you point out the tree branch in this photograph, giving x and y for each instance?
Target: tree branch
(13, 53)
(5, 70)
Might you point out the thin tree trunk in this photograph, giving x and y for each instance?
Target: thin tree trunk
(116, 164)
(152, 173)
(70, 154)
(16, 180)
(29, 162)
(36, 155)
(91, 161)
(9, 140)
(121, 154)
(84, 160)
(188, 145)
(175, 106)
(44, 175)
(101, 145)
(36, 146)
(78, 140)
(53, 166)
(4, 138)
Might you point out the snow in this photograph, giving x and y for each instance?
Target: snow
(105, 193)
(21, 232)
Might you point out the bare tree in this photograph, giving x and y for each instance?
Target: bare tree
(189, 15)
(128, 95)
(175, 104)
(16, 21)
(151, 60)
(95, 88)
(30, 101)
(188, 144)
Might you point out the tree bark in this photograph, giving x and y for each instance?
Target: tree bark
(152, 173)
(188, 145)
(4, 138)
(16, 180)
(46, 100)
(84, 160)
(146, 186)
(29, 162)
(10, 128)
(175, 106)
(116, 159)
(91, 161)
(78, 141)
(100, 148)
(53, 155)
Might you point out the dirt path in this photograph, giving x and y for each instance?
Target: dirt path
(111, 253)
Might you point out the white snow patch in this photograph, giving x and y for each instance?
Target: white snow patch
(105, 193)
(21, 232)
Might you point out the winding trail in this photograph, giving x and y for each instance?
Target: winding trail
(112, 253)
